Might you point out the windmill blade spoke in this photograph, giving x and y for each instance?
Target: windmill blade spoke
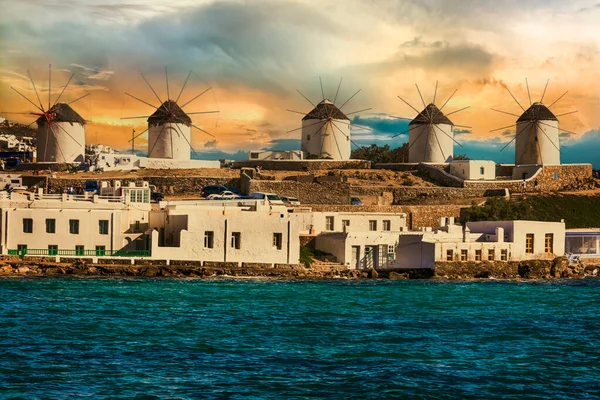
(401, 133)
(151, 88)
(138, 135)
(444, 105)
(366, 128)
(556, 101)
(76, 100)
(546, 87)
(167, 78)
(337, 145)
(463, 126)
(183, 87)
(504, 127)
(416, 140)
(319, 131)
(200, 129)
(450, 136)
(408, 119)
(186, 139)
(537, 142)
(297, 129)
(36, 92)
(516, 135)
(548, 137)
(49, 84)
(514, 98)
(351, 97)
(57, 144)
(439, 145)
(23, 96)
(505, 112)
(156, 141)
(61, 93)
(422, 101)
(567, 113)
(209, 88)
(65, 131)
(203, 112)
(306, 98)
(342, 132)
(435, 92)
(356, 112)
(143, 116)
(457, 111)
(18, 113)
(528, 93)
(297, 112)
(408, 104)
(322, 92)
(138, 99)
(337, 91)
(563, 130)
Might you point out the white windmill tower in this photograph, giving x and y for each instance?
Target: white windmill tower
(537, 132)
(431, 133)
(326, 129)
(61, 130)
(169, 127)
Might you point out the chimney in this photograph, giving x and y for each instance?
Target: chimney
(500, 235)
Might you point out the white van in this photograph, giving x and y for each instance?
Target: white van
(272, 197)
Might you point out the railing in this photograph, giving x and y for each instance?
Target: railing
(79, 253)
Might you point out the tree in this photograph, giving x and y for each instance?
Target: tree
(381, 154)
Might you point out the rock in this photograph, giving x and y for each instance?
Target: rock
(595, 272)
(92, 270)
(22, 270)
(398, 276)
(483, 275)
(150, 271)
(6, 270)
(374, 274)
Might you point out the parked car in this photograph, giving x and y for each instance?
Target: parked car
(213, 189)
(226, 195)
(290, 201)
(355, 201)
(272, 197)
(91, 187)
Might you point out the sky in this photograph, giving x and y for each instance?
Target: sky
(253, 56)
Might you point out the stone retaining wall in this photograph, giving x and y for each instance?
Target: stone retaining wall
(306, 192)
(302, 165)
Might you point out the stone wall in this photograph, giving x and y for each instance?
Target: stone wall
(306, 192)
(439, 175)
(424, 195)
(164, 184)
(399, 167)
(302, 165)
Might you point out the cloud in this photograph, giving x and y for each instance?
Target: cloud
(210, 144)
(94, 73)
(462, 131)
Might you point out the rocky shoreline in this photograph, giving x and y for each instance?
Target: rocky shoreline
(452, 271)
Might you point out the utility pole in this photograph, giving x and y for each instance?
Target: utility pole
(132, 141)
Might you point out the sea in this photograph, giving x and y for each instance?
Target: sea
(69, 338)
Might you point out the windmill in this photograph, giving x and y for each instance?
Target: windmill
(431, 132)
(169, 127)
(326, 129)
(537, 131)
(61, 133)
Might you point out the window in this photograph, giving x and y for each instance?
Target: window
(236, 240)
(277, 240)
(491, 254)
(74, 226)
(52, 249)
(103, 227)
(50, 226)
(464, 255)
(27, 225)
(307, 137)
(329, 221)
(146, 196)
(132, 196)
(137, 226)
(254, 155)
(549, 243)
(100, 250)
(504, 255)
(209, 239)
(387, 225)
(529, 243)
(477, 255)
(372, 225)
(449, 255)
(139, 196)
(79, 250)
(481, 170)
(345, 224)
(556, 176)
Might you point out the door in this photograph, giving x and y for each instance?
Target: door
(370, 257)
(355, 257)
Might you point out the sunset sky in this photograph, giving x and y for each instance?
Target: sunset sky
(255, 54)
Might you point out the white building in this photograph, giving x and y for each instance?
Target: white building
(224, 231)
(584, 243)
(481, 241)
(74, 225)
(61, 136)
(431, 137)
(537, 137)
(326, 133)
(472, 170)
(293, 155)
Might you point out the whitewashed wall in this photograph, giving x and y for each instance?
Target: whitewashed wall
(425, 148)
(544, 150)
(327, 142)
(172, 143)
(63, 142)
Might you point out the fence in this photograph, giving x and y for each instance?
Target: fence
(79, 253)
